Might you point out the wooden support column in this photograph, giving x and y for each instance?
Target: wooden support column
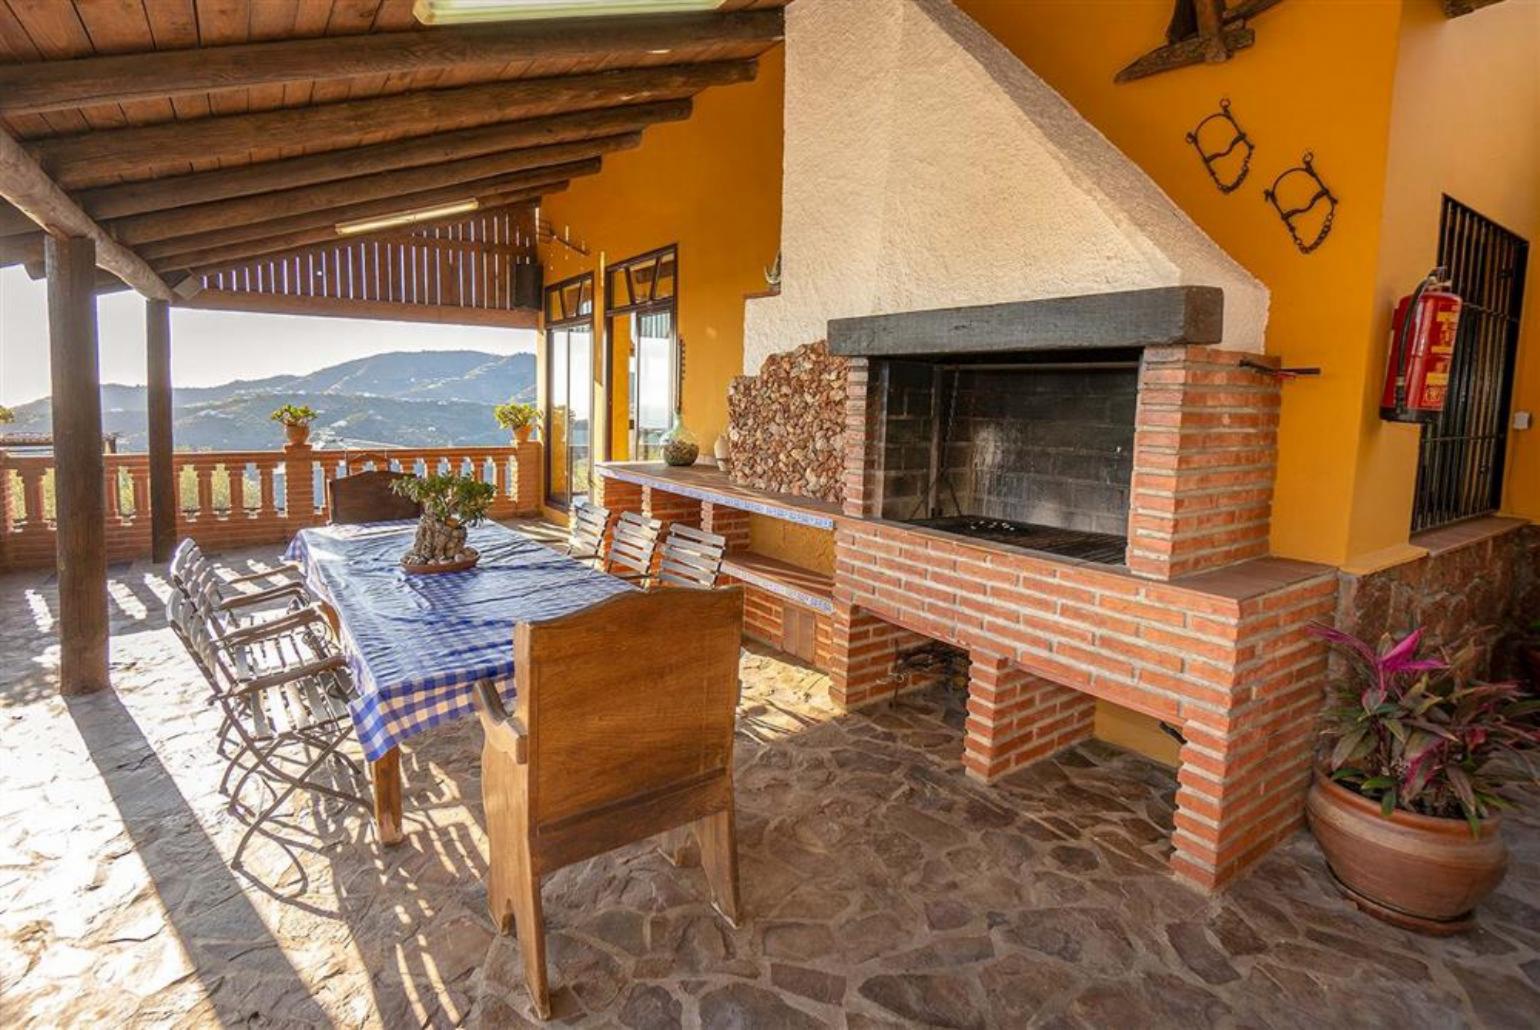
(79, 490)
(157, 347)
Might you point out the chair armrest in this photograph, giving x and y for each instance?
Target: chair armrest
(284, 568)
(274, 627)
(294, 672)
(504, 732)
(262, 596)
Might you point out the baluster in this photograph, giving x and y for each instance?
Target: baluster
(268, 508)
(204, 470)
(113, 500)
(34, 513)
(139, 477)
(500, 472)
(236, 472)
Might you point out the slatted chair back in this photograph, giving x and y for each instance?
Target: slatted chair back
(585, 537)
(632, 545)
(367, 497)
(690, 558)
(601, 752)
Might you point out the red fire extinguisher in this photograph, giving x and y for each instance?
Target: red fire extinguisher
(1422, 336)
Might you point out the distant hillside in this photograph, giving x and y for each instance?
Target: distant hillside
(409, 399)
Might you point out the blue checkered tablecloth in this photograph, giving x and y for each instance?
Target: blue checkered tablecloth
(417, 644)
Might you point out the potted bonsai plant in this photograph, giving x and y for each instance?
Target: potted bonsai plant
(295, 420)
(1405, 801)
(451, 504)
(517, 418)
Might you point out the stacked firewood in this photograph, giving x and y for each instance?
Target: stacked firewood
(786, 425)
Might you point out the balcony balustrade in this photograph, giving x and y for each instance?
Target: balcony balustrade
(231, 499)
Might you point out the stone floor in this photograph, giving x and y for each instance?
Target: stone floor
(881, 887)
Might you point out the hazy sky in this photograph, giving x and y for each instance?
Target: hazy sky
(211, 347)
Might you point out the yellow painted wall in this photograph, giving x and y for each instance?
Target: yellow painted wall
(1319, 78)
(1466, 122)
(711, 185)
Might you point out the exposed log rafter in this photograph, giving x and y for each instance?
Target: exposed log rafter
(24, 184)
(123, 78)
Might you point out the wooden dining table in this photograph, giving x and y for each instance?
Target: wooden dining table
(418, 644)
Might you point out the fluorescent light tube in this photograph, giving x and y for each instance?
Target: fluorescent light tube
(421, 214)
(452, 12)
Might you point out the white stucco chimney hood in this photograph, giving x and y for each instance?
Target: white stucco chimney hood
(926, 168)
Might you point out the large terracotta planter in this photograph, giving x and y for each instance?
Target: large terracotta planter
(1413, 870)
(521, 434)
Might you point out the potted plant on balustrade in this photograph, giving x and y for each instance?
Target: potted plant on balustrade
(1405, 801)
(451, 505)
(517, 418)
(295, 420)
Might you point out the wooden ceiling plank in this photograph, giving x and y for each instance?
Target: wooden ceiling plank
(215, 259)
(186, 221)
(119, 27)
(139, 152)
(162, 250)
(163, 194)
(221, 23)
(63, 85)
(24, 184)
(56, 34)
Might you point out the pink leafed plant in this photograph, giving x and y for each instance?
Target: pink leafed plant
(1410, 733)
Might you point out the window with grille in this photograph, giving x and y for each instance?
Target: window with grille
(1460, 462)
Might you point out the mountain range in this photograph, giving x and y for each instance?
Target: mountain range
(399, 398)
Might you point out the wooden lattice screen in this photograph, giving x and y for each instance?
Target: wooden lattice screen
(483, 270)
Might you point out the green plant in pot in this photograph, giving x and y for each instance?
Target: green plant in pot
(517, 418)
(1405, 801)
(295, 419)
(451, 504)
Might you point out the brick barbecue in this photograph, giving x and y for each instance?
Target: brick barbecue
(1076, 494)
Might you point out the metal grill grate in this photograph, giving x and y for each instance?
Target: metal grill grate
(1460, 463)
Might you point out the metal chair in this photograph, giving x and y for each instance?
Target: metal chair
(585, 537)
(287, 715)
(632, 546)
(190, 570)
(690, 558)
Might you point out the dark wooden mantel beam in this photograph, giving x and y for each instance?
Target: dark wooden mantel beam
(141, 152)
(122, 78)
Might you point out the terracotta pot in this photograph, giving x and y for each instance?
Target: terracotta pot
(297, 434)
(521, 434)
(1414, 870)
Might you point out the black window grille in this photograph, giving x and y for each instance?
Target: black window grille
(1460, 462)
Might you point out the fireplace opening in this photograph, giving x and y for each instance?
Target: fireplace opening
(1031, 450)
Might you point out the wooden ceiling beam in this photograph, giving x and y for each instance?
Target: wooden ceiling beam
(123, 78)
(96, 158)
(25, 184)
(200, 262)
(225, 183)
(168, 249)
(262, 207)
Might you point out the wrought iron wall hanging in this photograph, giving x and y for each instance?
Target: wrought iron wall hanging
(1291, 216)
(1211, 158)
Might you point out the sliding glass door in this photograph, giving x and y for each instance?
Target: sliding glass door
(569, 340)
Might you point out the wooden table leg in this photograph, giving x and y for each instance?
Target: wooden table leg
(385, 772)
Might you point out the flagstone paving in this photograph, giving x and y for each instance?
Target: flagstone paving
(881, 887)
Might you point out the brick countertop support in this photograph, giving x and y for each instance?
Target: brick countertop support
(1225, 656)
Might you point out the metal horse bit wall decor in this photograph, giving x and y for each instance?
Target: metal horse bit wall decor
(1211, 158)
(1292, 215)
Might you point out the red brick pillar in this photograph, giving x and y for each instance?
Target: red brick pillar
(859, 482)
(731, 523)
(528, 473)
(669, 507)
(1205, 452)
(1015, 717)
(617, 495)
(861, 649)
(1245, 770)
